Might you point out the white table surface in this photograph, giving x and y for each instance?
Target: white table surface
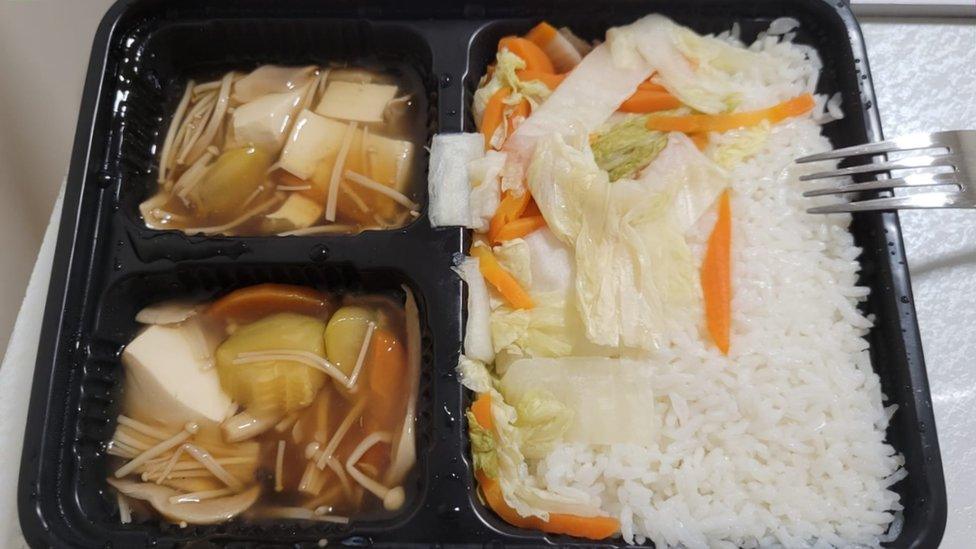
(925, 78)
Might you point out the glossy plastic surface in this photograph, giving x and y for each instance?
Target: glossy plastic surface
(107, 264)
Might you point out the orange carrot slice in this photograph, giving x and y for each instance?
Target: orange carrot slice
(494, 112)
(700, 140)
(511, 208)
(594, 528)
(535, 59)
(532, 209)
(387, 364)
(521, 227)
(481, 408)
(647, 85)
(542, 34)
(716, 277)
(649, 101)
(254, 302)
(698, 123)
(552, 81)
(387, 368)
(498, 277)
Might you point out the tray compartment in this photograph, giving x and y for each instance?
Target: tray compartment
(160, 56)
(100, 384)
(894, 347)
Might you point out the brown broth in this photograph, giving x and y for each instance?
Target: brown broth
(339, 403)
(316, 423)
(357, 208)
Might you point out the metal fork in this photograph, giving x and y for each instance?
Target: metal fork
(959, 154)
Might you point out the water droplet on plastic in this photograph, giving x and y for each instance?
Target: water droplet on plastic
(445, 80)
(903, 299)
(320, 252)
(117, 265)
(103, 178)
(448, 416)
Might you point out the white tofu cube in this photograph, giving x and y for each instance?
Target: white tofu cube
(312, 138)
(297, 212)
(362, 102)
(264, 122)
(166, 381)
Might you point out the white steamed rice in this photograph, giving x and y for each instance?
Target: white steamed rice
(782, 442)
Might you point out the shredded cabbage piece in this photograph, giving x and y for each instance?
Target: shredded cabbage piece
(635, 274)
(627, 147)
(505, 458)
(542, 420)
(551, 328)
(514, 255)
(484, 176)
(710, 74)
(506, 63)
(689, 177)
(732, 148)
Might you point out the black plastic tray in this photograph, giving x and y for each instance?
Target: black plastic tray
(107, 264)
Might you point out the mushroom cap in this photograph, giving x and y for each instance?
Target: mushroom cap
(210, 511)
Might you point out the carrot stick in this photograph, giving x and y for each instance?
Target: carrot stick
(647, 85)
(511, 208)
(535, 59)
(552, 81)
(481, 408)
(494, 112)
(521, 227)
(581, 527)
(700, 140)
(716, 277)
(542, 34)
(649, 101)
(594, 528)
(498, 277)
(698, 123)
(252, 303)
(387, 364)
(532, 209)
(387, 368)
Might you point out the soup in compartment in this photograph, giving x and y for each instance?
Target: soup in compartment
(292, 151)
(274, 401)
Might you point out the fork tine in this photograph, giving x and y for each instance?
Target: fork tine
(903, 143)
(915, 201)
(902, 164)
(913, 180)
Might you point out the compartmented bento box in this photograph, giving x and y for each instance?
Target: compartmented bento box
(109, 264)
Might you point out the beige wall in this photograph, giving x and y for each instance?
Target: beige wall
(44, 46)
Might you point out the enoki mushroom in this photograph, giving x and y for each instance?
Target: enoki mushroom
(393, 498)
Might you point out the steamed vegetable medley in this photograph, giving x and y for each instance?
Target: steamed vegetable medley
(273, 401)
(290, 151)
(602, 190)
